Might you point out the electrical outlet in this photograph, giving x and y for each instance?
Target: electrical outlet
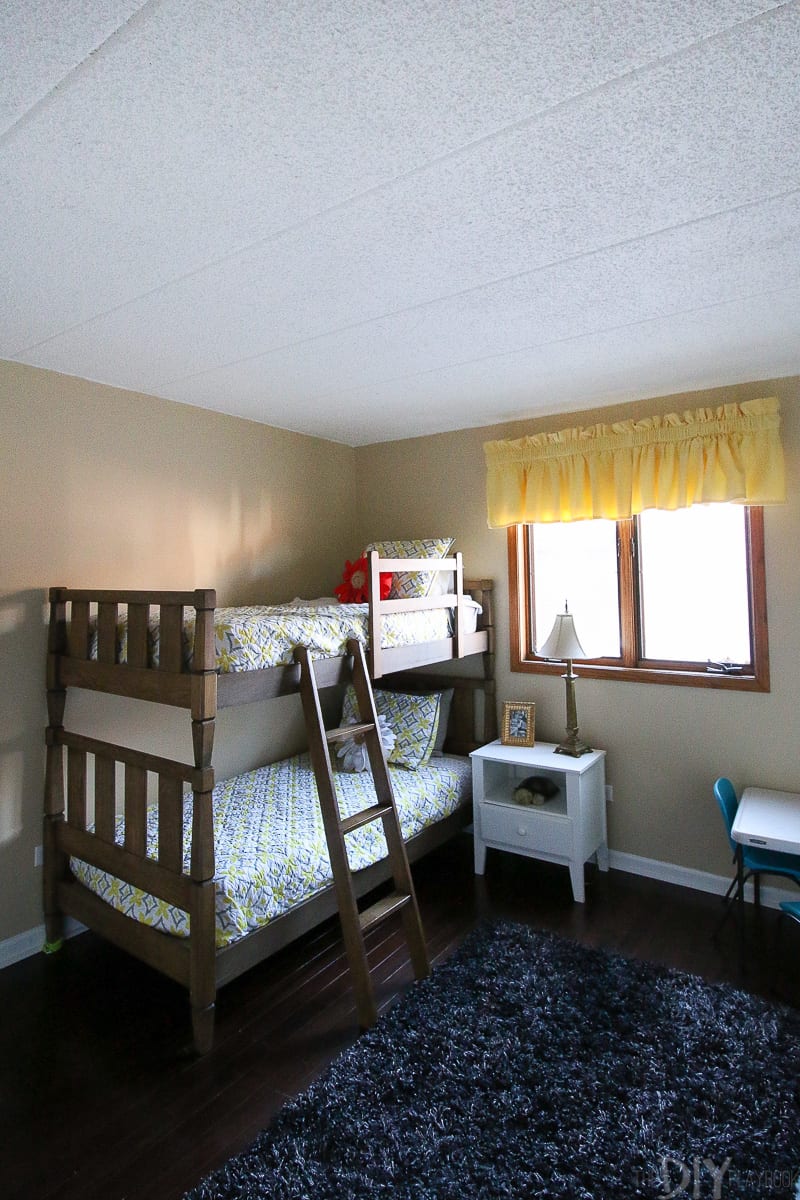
(38, 856)
(609, 794)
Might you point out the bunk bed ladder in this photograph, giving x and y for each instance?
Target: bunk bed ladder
(402, 899)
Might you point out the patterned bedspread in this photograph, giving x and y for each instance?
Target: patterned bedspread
(251, 638)
(270, 842)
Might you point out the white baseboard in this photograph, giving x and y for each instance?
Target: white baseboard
(700, 881)
(14, 949)
(23, 945)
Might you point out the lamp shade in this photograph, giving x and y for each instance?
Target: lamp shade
(563, 642)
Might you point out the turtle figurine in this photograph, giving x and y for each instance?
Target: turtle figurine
(536, 789)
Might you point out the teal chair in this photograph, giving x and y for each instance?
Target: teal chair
(791, 909)
(750, 861)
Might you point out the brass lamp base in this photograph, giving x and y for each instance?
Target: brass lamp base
(572, 745)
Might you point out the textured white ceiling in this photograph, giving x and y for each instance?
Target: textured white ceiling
(370, 219)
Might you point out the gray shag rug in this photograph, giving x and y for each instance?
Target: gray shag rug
(531, 1066)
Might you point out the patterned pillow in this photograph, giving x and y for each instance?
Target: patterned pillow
(407, 584)
(413, 720)
(444, 721)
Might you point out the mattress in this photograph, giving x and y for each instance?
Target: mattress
(270, 848)
(259, 636)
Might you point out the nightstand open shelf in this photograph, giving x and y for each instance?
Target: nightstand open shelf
(570, 828)
(555, 807)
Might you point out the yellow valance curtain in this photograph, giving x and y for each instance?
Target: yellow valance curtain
(729, 453)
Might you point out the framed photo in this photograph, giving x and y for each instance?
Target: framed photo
(518, 724)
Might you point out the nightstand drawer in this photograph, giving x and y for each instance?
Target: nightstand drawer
(526, 828)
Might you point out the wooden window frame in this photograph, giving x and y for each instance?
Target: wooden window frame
(631, 666)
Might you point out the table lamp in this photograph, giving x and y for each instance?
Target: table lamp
(563, 643)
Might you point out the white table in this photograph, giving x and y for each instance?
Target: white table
(765, 820)
(768, 820)
(568, 829)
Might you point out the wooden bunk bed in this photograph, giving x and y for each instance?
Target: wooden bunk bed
(109, 829)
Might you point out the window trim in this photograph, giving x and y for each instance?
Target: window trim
(641, 671)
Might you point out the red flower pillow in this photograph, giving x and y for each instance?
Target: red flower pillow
(354, 586)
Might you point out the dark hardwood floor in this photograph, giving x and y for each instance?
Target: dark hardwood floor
(100, 1101)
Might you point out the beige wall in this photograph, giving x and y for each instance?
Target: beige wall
(103, 487)
(665, 745)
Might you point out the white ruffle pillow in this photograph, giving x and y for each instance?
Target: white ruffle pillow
(353, 755)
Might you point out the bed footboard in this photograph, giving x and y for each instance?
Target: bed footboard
(83, 651)
(101, 819)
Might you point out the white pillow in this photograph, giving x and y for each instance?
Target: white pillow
(352, 754)
(444, 584)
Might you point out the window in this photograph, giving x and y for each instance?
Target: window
(671, 597)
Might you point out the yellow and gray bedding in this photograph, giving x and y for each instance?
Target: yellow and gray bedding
(260, 636)
(270, 844)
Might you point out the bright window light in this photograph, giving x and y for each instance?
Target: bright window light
(577, 563)
(694, 591)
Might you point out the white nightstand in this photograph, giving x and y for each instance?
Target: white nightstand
(569, 829)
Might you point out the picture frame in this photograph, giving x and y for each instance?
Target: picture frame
(518, 727)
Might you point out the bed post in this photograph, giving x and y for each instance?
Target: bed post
(202, 918)
(203, 976)
(458, 614)
(55, 861)
(204, 677)
(482, 590)
(374, 621)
